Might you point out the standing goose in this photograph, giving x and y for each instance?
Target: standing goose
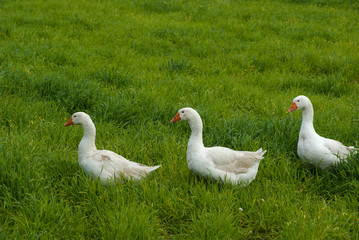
(104, 164)
(220, 163)
(312, 148)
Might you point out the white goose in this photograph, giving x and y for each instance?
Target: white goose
(220, 163)
(312, 148)
(104, 164)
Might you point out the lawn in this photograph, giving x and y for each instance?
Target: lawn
(131, 65)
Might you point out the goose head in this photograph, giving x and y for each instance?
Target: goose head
(78, 118)
(185, 114)
(300, 102)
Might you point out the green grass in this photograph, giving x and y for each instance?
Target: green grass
(132, 65)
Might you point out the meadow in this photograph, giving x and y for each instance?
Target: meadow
(131, 65)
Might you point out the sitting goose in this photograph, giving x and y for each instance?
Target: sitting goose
(220, 163)
(312, 148)
(104, 164)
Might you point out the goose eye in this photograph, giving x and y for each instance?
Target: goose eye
(182, 111)
(298, 100)
(74, 116)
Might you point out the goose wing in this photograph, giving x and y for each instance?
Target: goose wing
(232, 161)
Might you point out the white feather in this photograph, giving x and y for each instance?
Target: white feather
(220, 163)
(104, 164)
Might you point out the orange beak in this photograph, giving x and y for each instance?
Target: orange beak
(69, 122)
(293, 107)
(176, 118)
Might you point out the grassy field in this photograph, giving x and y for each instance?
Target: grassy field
(131, 65)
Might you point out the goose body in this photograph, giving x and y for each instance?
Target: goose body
(104, 164)
(313, 148)
(220, 163)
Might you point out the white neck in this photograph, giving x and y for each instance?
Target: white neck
(195, 141)
(307, 128)
(87, 145)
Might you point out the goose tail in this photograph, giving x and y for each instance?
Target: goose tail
(261, 152)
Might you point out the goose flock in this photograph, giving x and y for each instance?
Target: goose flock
(219, 163)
